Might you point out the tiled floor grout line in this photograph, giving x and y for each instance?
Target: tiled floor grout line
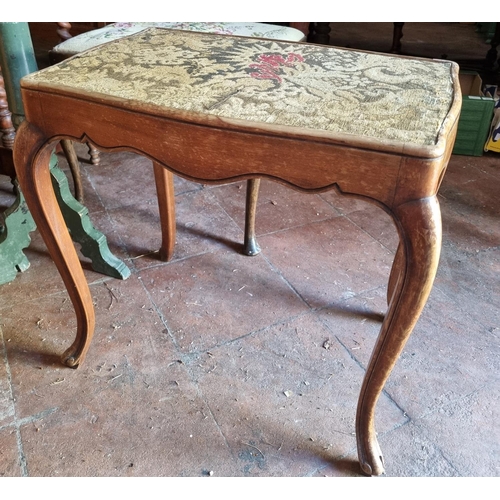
(361, 293)
(63, 291)
(279, 273)
(216, 201)
(173, 261)
(384, 391)
(287, 319)
(121, 243)
(278, 231)
(371, 236)
(16, 424)
(182, 356)
(346, 215)
(451, 298)
(266, 259)
(438, 448)
(448, 403)
(160, 315)
(298, 226)
(485, 172)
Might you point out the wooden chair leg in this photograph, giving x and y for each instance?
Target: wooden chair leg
(396, 38)
(63, 31)
(74, 166)
(164, 180)
(95, 159)
(7, 130)
(319, 33)
(492, 54)
(250, 245)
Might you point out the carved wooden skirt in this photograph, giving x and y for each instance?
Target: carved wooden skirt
(217, 109)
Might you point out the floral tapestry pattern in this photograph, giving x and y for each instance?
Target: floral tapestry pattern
(309, 86)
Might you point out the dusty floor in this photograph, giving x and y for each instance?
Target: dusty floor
(216, 363)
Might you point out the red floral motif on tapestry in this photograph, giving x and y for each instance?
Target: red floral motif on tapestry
(271, 64)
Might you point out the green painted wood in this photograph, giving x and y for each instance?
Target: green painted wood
(93, 243)
(16, 224)
(473, 125)
(17, 59)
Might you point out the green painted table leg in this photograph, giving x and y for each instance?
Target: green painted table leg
(17, 59)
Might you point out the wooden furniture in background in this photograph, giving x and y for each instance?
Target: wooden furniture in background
(489, 66)
(15, 222)
(397, 34)
(16, 60)
(232, 122)
(492, 60)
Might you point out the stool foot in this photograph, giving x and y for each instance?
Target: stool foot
(69, 359)
(372, 463)
(251, 248)
(73, 356)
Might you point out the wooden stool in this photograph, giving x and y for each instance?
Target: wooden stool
(217, 109)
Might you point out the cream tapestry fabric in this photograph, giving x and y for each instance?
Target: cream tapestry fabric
(298, 85)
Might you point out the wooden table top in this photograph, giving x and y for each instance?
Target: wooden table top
(386, 99)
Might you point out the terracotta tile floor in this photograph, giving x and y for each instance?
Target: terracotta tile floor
(192, 360)
(215, 362)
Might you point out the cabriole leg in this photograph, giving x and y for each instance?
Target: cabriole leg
(164, 181)
(412, 277)
(32, 159)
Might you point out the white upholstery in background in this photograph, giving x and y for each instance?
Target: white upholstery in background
(114, 31)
